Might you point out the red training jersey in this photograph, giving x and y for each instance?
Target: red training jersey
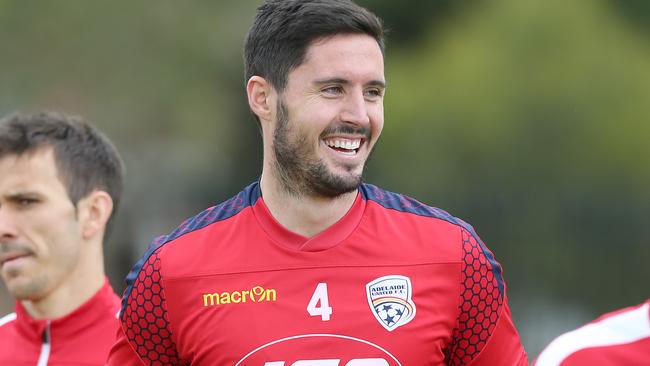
(394, 282)
(620, 338)
(82, 337)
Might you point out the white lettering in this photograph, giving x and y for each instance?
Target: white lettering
(334, 362)
(368, 362)
(316, 363)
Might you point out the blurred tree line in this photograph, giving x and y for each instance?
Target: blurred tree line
(527, 118)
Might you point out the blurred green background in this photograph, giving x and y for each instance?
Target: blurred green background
(529, 119)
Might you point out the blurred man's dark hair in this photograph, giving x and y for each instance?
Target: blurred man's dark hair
(86, 159)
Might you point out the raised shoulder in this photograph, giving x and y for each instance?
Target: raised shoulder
(403, 203)
(144, 306)
(7, 319)
(482, 288)
(220, 212)
(473, 248)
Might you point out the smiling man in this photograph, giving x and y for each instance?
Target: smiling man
(309, 266)
(60, 180)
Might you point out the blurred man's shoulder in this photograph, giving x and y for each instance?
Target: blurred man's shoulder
(7, 320)
(624, 332)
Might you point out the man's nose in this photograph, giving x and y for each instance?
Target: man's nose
(355, 110)
(7, 226)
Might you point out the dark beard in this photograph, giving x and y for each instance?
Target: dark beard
(301, 174)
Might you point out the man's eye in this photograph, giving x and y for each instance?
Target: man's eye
(375, 93)
(26, 201)
(332, 90)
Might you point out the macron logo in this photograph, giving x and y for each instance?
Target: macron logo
(255, 294)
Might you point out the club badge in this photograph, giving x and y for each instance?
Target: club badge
(389, 298)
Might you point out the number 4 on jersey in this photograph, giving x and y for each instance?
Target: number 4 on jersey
(319, 303)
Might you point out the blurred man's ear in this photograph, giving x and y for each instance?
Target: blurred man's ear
(94, 211)
(260, 98)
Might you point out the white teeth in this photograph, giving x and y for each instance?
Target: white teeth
(344, 144)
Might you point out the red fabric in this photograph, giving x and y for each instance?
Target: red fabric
(82, 337)
(269, 275)
(630, 353)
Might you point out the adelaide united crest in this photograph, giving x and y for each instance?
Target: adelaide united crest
(390, 300)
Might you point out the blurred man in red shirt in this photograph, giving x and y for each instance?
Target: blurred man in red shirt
(60, 182)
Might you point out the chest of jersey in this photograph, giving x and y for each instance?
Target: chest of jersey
(380, 289)
(322, 315)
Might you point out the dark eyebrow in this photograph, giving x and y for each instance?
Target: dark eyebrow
(377, 83)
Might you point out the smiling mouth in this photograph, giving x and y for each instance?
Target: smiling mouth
(347, 146)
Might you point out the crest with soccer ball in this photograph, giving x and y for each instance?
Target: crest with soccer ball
(390, 300)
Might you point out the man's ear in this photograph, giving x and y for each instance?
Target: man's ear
(260, 98)
(94, 211)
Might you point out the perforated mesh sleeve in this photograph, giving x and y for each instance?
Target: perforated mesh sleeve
(480, 304)
(145, 320)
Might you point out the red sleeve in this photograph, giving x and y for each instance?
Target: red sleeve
(122, 352)
(484, 334)
(145, 336)
(503, 346)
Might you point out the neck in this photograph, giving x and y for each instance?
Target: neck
(77, 288)
(303, 214)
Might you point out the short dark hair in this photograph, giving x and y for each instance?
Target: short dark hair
(86, 159)
(283, 30)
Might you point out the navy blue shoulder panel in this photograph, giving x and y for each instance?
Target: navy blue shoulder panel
(402, 203)
(222, 211)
